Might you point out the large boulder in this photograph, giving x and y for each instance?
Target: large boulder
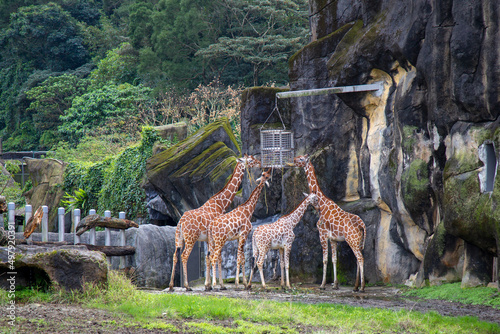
(69, 267)
(154, 247)
(47, 176)
(186, 175)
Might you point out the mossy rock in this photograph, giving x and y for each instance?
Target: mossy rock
(187, 174)
(470, 214)
(415, 186)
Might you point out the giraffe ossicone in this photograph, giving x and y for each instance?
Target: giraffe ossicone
(336, 225)
(192, 226)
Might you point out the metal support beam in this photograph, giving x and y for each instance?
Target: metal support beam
(331, 90)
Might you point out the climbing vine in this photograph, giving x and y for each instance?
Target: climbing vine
(115, 183)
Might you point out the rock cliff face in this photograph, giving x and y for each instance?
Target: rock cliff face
(416, 160)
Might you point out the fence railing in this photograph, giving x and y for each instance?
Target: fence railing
(76, 215)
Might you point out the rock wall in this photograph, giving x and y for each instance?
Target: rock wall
(410, 159)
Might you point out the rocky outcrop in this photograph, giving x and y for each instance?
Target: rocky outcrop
(152, 261)
(47, 176)
(69, 267)
(186, 175)
(412, 158)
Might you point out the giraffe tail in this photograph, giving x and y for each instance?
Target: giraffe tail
(363, 226)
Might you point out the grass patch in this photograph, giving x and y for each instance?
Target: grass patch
(209, 314)
(454, 292)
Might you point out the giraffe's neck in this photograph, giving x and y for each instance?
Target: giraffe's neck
(312, 181)
(251, 202)
(224, 197)
(294, 217)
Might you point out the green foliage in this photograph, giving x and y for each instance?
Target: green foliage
(76, 201)
(261, 33)
(46, 35)
(118, 67)
(49, 101)
(114, 183)
(106, 110)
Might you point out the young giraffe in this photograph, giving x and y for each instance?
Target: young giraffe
(278, 235)
(231, 226)
(193, 224)
(335, 224)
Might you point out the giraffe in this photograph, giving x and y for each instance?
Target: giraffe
(335, 224)
(193, 224)
(234, 225)
(278, 235)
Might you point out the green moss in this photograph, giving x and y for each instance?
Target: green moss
(317, 44)
(185, 147)
(469, 213)
(408, 139)
(199, 166)
(460, 163)
(415, 184)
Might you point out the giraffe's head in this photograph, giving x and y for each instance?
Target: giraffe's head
(266, 175)
(301, 160)
(249, 161)
(312, 198)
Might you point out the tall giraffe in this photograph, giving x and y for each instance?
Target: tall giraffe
(193, 224)
(278, 235)
(231, 226)
(335, 224)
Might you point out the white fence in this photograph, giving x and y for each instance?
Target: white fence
(61, 212)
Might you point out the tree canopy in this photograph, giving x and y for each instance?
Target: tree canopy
(69, 68)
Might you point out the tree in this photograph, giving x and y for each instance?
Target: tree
(47, 36)
(262, 33)
(50, 100)
(110, 108)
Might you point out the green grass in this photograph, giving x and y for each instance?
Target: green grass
(454, 292)
(208, 314)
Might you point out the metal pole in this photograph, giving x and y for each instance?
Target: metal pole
(28, 212)
(60, 215)
(107, 231)
(331, 90)
(45, 224)
(92, 230)
(121, 215)
(76, 220)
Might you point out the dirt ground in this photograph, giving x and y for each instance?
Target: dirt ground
(62, 318)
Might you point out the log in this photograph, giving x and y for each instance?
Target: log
(112, 250)
(92, 221)
(43, 243)
(107, 250)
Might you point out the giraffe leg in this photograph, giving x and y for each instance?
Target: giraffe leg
(360, 275)
(178, 246)
(282, 266)
(324, 246)
(208, 267)
(240, 262)
(334, 262)
(221, 281)
(184, 257)
(287, 267)
(260, 265)
(215, 258)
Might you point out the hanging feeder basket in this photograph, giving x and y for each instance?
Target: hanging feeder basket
(276, 148)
